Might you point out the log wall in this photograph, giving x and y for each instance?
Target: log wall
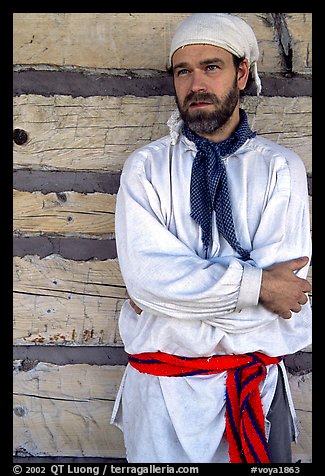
(89, 88)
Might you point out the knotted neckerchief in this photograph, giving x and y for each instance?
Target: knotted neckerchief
(245, 431)
(209, 188)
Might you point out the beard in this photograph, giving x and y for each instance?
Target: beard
(207, 122)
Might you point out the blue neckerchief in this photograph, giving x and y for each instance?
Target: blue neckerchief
(209, 188)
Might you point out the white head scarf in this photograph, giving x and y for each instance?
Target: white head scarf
(229, 32)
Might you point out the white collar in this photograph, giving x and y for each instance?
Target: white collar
(175, 124)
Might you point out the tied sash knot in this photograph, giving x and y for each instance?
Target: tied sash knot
(245, 430)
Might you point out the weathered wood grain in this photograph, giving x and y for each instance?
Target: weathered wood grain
(286, 121)
(300, 30)
(98, 133)
(66, 410)
(64, 301)
(301, 389)
(68, 382)
(67, 213)
(137, 40)
(96, 40)
(43, 319)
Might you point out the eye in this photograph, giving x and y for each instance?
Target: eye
(182, 72)
(212, 67)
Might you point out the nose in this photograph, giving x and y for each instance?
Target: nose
(198, 81)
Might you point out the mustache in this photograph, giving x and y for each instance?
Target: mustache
(200, 97)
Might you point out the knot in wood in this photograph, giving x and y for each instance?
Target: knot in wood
(20, 136)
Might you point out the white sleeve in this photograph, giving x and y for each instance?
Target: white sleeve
(284, 229)
(164, 276)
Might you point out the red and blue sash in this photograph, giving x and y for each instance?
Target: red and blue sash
(245, 430)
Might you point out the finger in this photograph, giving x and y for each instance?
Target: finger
(303, 299)
(298, 263)
(307, 288)
(135, 307)
(304, 281)
(286, 315)
(296, 308)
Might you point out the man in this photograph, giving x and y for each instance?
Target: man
(212, 232)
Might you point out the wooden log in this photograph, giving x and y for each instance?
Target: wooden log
(300, 30)
(98, 133)
(286, 121)
(301, 389)
(42, 319)
(58, 276)
(66, 213)
(66, 410)
(138, 40)
(64, 301)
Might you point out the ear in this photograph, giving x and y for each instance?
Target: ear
(242, 74)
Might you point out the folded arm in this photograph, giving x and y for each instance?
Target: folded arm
(167, 278)
(162, 274)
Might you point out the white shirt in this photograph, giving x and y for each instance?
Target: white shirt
(194, 306)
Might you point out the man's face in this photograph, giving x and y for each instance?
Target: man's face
(206, 85)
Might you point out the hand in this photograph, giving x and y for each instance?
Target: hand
(135, 307)
(281, 290)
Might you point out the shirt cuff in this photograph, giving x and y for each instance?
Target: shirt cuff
(249, 292)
